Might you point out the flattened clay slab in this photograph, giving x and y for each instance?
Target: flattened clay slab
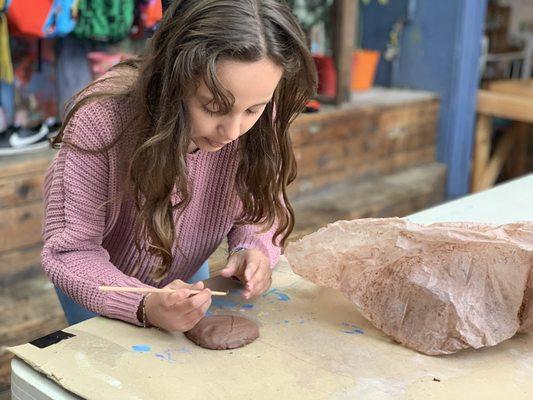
(438, 288)
(222, 332)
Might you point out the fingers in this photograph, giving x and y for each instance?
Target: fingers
(182, 292)
(195, 308)
(198, 285)
(251, 269)
(233, 266)
(259, 281)
(264, 279)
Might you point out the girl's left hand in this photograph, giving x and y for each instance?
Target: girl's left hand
(252, 268)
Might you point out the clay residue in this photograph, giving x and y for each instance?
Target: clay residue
(437, 288)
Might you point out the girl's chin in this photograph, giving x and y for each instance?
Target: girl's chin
(210, 145)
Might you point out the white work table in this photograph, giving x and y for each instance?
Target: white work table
(313, 345)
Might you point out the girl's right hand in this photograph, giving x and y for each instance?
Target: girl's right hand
(177, 311)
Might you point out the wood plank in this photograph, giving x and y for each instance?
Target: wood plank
(503, 105)
(5, 378)
(481, 150)
(19, 261)
(491, 173)
(394, 195)
(517, 87)
(21, 189)
(347, 109)
(518, 162)
(30, 309)
(4, 395)
(26, 163)
(346, 13)
(20, 227)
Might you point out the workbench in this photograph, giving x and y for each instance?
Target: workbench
(313, 345)
(507, 99)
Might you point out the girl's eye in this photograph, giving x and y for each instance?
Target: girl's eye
(215, 113)
(209, 112)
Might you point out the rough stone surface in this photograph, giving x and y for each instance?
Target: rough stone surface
(438, 288)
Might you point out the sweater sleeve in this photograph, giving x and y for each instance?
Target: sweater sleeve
(250, 237)
(78, 189)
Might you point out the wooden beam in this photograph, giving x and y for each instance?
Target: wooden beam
(346, 15)
(20, 227)
(518, 162)
(513, 86)
(503, 105)
(481, 150)
(503, 149)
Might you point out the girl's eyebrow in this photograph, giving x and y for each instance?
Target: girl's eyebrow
(208, 100)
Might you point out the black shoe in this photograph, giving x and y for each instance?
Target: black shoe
(18, 140)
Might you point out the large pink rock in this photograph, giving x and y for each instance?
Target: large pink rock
(438, 288)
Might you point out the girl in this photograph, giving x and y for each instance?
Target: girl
(170, 153)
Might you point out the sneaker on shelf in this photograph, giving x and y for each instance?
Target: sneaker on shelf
(18, 140)
(54, 125)
(27, 136)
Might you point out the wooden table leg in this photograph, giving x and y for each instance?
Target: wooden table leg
(518, 161)
(502, 150)
(481, 150)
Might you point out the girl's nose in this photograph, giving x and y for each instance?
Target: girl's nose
(231, 130)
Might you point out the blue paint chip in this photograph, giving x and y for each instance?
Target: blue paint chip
(141, 348)
(279, 294)
(166, 356)
(248, 306)
(184, 350)
(352, 329)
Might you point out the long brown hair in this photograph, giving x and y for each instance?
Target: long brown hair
(193, 36)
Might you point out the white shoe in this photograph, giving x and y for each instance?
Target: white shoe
(27, 137)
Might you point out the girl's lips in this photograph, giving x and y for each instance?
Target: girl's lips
(215, 144)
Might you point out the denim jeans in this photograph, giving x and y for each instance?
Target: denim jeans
(75, 313)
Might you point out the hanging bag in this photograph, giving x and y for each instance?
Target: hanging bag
(104, 20)
(41, 18)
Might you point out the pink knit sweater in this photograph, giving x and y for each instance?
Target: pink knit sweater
(88, 233)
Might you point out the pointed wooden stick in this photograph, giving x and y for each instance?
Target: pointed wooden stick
(152, 290)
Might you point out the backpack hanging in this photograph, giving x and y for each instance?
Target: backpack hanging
(41, 18)
(104, 20)
(151, 13)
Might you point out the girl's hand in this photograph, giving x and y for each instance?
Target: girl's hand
(252, 268)
(177, 311)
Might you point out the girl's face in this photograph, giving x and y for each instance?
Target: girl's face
(251, 83)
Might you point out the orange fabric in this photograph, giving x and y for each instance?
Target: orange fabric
(153, 13)
(28, 17)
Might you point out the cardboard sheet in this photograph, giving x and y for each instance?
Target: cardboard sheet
(313, 345)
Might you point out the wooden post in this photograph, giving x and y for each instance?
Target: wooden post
(481, 150)
(346, 15)
(518, 161)
(501, 154)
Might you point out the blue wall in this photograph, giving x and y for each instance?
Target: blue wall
(377, 21)
(440, 48)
